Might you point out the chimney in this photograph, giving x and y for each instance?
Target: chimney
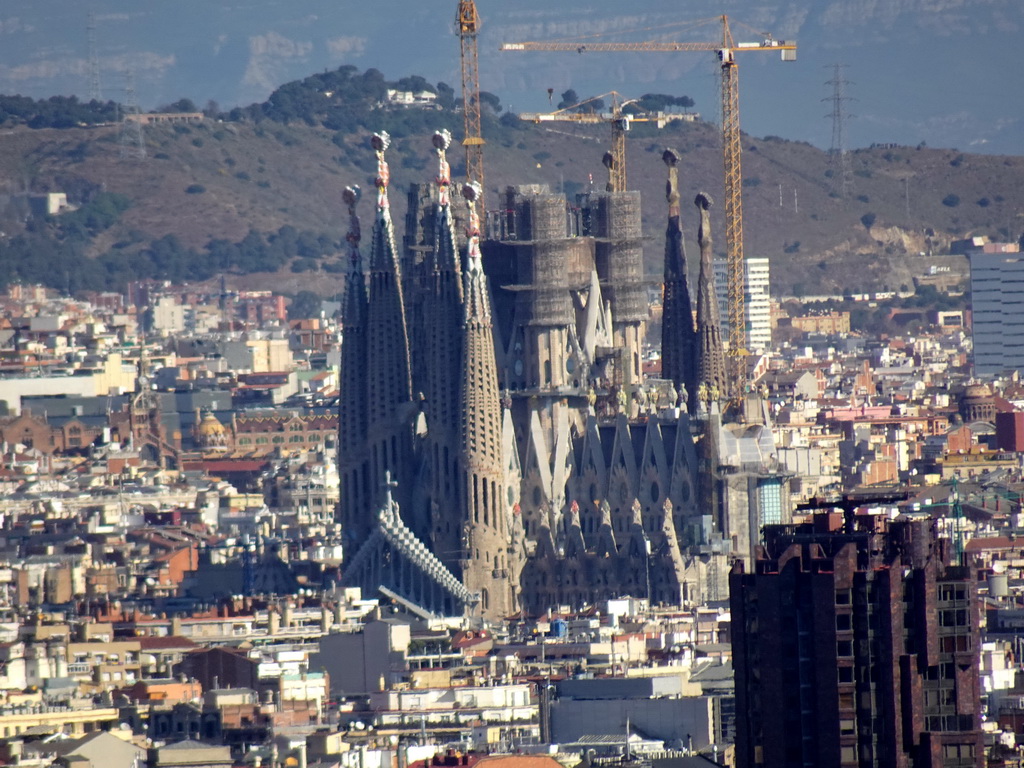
(274, 620)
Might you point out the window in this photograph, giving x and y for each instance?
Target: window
(952, 592)
(769, 499)
(957, 750)
(953, 617)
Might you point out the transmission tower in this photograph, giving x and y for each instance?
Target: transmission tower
(95, 91)
(131, 139)
(839, 156)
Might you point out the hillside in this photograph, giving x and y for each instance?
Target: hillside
(218, 181)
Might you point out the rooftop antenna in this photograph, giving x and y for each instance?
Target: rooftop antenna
(839, 157)
(131, 139)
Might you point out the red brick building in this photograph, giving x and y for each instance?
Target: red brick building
(856, 643)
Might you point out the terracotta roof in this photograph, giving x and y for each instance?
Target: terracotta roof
(518, 761)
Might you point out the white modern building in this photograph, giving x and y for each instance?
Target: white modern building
(758, 301)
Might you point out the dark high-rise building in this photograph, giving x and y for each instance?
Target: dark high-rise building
(855, 643)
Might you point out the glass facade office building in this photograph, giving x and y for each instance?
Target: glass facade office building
(997, 308)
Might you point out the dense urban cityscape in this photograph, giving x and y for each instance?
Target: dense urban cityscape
(495, 493)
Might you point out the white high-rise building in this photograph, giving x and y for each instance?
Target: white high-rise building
(758, 301)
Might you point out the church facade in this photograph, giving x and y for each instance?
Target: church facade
(493, 405)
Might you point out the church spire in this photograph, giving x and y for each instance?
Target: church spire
(490, 569)
(352, 399)
(388, 382)
(446, 250)
(711, 356)
(441, 310)
(678, 337)
(389, 385)
(478, 306)
(353, 348)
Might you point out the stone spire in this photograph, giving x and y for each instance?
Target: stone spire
(678, 337)
(669, 544)
(388, 365)
(487, 569)
(355, 499)
(388, 384)
(606, 545)
(639, 544)
(442, 314)
(672, 565)
(711, 356)
(575, 547)
(545, 538)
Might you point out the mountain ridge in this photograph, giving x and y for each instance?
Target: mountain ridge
(922, 70)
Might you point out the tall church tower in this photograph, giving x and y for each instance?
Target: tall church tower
(678, 337)
(389, 405)
(711, 356)
(619, 261)
(356, 495)
(442, 313)
(489, 566)
(539, 353)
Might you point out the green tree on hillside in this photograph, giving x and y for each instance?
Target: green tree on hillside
(305, 304)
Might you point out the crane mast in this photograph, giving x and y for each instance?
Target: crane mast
(467, 24)
(731, 155)
(726, 49)
(615, 160)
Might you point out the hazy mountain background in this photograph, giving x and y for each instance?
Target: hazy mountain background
(945, 72)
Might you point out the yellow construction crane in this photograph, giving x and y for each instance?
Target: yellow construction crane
(726, 49)
(615, 160)
(467, 24)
